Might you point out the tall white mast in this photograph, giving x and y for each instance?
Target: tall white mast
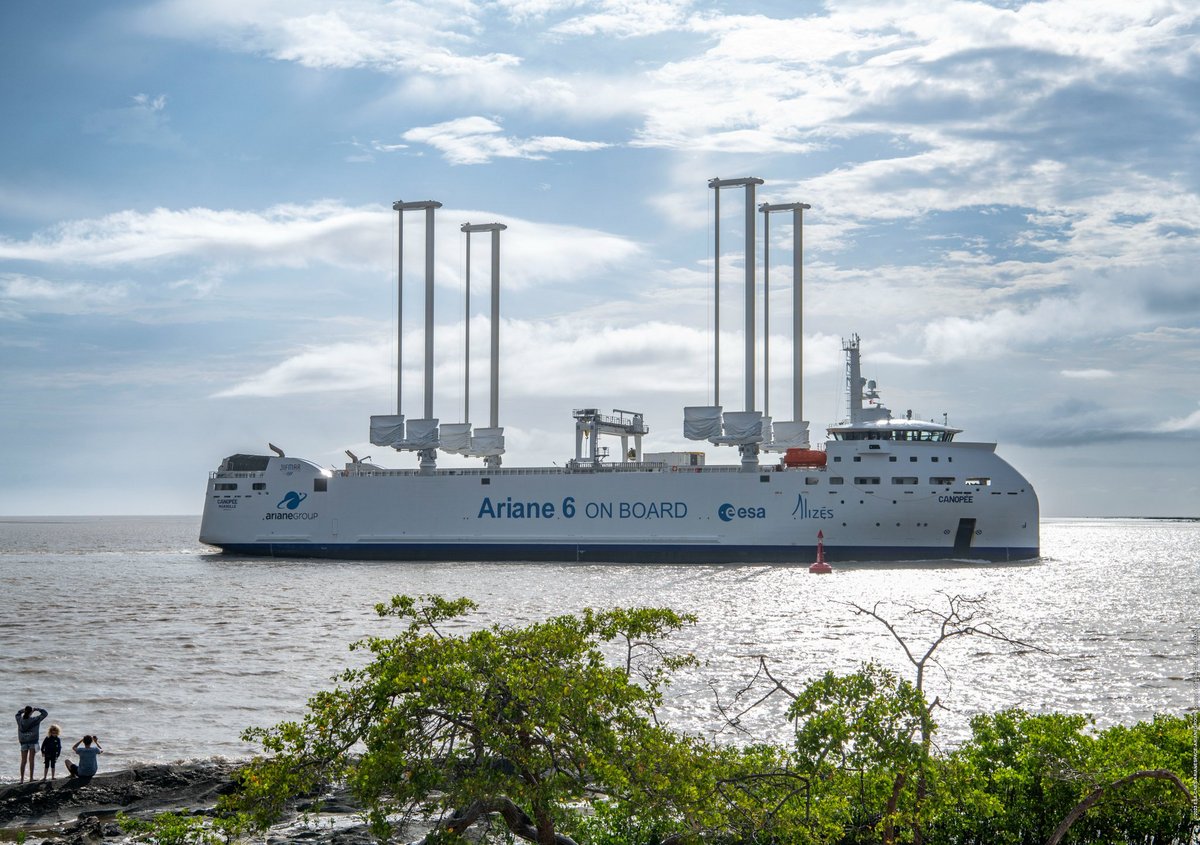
(797, 209)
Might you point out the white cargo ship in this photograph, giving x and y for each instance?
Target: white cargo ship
(881, 488)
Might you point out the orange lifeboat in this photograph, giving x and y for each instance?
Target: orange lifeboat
(804, 458)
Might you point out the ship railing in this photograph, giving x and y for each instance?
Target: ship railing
(240, 474)
(643, 466)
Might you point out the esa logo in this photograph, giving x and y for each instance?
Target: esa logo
(729, 513)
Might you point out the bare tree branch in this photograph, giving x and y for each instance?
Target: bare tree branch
(1100, 791)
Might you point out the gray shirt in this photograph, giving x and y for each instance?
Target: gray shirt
(29, 728)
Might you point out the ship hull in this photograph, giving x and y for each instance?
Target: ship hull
(633, 513)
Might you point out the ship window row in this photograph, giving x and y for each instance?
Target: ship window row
(915, 434)
(907, 480)
(837, 459)
(232, 485)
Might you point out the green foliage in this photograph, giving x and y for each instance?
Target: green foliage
(525, 721)
(168, 829)
(859, 737)
(552, 727)
(1021, 774)
(610, 824)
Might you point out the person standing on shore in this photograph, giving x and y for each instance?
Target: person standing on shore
(51, 748)
(88, 762)
(27, 734)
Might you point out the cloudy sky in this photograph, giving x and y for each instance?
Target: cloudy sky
(197, 248)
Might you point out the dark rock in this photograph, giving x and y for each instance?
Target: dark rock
(69, 811)
(136, 791)
(337, 803)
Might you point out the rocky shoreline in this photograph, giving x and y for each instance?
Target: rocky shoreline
(68, 811)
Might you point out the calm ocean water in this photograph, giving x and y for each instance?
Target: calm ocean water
(130, 629)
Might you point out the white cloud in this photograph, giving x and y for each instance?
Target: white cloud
(628, 18)
(288, 235)
(1088, 375)
(402, 35)
(322, 232)
(145, 122)
(23, 294)
(540, 359)
(1181, 424)
(477, 140)
(338, 367)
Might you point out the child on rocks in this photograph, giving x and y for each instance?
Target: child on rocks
(51, 748)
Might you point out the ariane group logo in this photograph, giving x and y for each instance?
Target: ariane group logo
(291, 501)
(729, 513)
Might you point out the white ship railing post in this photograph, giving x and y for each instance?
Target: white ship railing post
(797, 209)
(716, 290)
(398, 207)
(495, 229)
(466, 227)
(749, 450)
(765, 209)
(429, 241)
(428, 456)
(495, 327)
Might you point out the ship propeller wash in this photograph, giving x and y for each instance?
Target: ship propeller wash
(880, 488)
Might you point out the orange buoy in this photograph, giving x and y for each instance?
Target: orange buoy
(820, 567)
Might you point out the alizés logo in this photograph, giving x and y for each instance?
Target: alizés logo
(291, 501)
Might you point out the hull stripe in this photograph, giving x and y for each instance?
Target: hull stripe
(621, 553)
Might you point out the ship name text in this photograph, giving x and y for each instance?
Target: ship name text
(507, 508)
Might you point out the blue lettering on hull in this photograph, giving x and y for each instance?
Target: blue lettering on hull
(507, 508)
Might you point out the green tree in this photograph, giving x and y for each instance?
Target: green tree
(510, 723)
(860, 737)
(1015, 778)
(1025, 779)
